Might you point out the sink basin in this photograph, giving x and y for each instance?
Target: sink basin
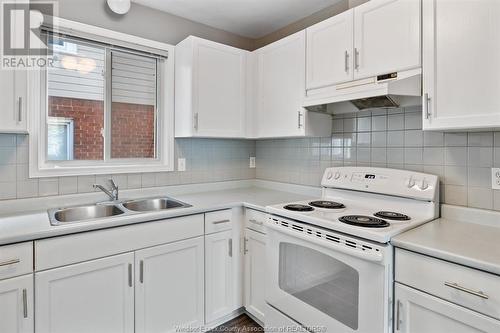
(83, 213)
(155, 204)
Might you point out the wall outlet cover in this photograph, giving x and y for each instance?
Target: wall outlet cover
(252, 162)
(181, 164)
(495, 178)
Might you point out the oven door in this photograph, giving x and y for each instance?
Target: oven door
(328, 281)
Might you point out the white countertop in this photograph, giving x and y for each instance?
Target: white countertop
(466, 236)
(18, 225)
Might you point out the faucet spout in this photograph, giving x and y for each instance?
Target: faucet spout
(112, 193)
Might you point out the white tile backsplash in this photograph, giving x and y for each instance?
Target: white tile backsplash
(208, 160)
(462, 160)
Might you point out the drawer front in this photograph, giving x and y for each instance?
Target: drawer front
(218, 221)
(66, 250)
(16, 259)
(471, 288)
(255, 219)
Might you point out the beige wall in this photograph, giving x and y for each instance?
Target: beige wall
(302, 24)
(145, 22)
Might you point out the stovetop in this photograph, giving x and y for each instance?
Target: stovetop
(371, 203)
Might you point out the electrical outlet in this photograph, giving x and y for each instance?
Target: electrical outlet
(181, 164)
(495, 178)
(252, 163)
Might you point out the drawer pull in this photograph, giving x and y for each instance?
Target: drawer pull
(466, 290)
(256, 222)
(10, 262)
(221, 221)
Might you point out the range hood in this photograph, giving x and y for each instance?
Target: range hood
(391, 90)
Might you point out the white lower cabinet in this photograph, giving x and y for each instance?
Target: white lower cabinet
(169, 289)
(95, 296)
(418, 312)
(255, 274)
(16, 305)
(219, 275)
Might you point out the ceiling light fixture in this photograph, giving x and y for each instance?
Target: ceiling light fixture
(120, 7)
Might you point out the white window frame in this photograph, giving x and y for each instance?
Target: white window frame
(39, 166)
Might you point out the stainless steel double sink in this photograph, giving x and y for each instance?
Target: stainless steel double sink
(86, 213)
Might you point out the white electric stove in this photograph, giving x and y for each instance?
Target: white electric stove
(330, 260)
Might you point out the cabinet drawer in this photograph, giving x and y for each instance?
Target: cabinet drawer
(255, 220)
(471, 288)
(16, 259)
(218, 221)
(66, 250)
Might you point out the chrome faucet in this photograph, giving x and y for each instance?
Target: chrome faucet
(112, 193)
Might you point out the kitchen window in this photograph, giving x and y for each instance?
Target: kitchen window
(107, 107)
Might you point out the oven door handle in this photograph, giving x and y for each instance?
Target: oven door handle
(369, 256)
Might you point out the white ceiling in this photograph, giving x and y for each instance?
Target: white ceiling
(249, 18)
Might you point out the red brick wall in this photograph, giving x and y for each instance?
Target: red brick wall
(132, 127)
(88, 119)
(132, 130)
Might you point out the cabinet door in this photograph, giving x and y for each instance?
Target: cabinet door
(169, 286)
(461, 63)
(255, 273)
(13, 88)
(329, 51)
(95, 296)
(417, 312)
(386, 37)
(219, 277)
(13, 96)
(219, 90)
(281, 87)
(16, 305)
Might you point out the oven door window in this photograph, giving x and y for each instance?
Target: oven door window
(321, 281)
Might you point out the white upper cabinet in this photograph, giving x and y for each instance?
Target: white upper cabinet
(386, 37)
(13, 90)
(169, 289)
(210, 89)
(461, 62)
(13, 95)
(281, 91)
(330, 51)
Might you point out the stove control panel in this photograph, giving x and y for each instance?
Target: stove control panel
(384, 181)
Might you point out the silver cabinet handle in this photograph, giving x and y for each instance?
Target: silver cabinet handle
(141, 271)
(398, 321)
(356, 59)
(230, 247)
(20, 109)
(245, 249)
(10, 262)
(130, 275)
(346, 61)
(466, 290)
(196, 121)
(256, 222)
(427, 111)
(221, 221)
(299, 119)
(25, 303)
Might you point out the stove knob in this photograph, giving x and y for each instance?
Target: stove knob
(423, 185)
(337, 175)
(411, 182)
(329, 175)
